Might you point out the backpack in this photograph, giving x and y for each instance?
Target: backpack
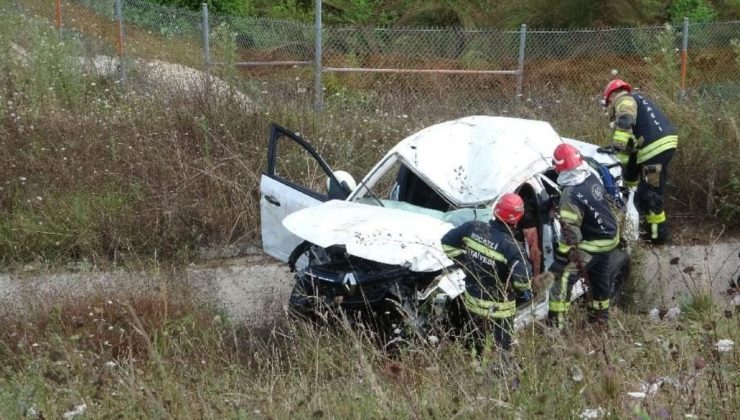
(610, 183)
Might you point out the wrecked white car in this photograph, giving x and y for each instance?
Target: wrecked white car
(375, 246)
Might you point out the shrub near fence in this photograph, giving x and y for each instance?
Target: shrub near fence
(554, 60)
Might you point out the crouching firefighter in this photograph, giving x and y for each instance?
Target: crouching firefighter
(497, 271)
(589, 233)
(645, 141)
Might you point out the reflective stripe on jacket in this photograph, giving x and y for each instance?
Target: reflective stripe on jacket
(489, 309)
(491, 258)
(652, 130)
(587, 218)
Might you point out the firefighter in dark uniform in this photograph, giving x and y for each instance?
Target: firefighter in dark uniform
(645, 141)
(526, 232)
(589, 233)
(496, 267)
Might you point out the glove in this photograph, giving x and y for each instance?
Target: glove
(623, 141)
(523, 297)
(609, 150)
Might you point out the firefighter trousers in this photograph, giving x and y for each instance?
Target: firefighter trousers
(596, 267)
(651, 177)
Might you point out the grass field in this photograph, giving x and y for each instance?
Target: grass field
(92, 172)
(164, 357)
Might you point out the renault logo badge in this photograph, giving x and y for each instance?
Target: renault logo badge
(349, 282)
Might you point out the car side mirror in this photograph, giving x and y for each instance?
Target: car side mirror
(342, 187)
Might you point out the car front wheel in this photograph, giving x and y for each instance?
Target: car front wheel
(619, 276)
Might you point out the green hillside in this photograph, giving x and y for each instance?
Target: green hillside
(482, 13)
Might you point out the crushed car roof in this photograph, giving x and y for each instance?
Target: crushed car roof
(473, 160)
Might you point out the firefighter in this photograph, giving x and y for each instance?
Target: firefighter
(645, 141)
(589, 233)
(526, 233)
(497, 271)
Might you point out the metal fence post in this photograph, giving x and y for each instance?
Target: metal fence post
(520, 68)
(58, 21)
(119, 43)
(206, 39)
(318, 88)
(684, 56)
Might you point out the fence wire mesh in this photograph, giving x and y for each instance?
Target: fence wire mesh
(271, 60)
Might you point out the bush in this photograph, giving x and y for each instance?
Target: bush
(698, 11)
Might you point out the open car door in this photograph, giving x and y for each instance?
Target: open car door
(295, 178)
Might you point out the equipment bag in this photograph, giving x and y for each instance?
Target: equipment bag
(610, 183)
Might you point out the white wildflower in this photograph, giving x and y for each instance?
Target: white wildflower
(77, 411)
(592, 413)
(576, 374)
(637, 395)
(654, 314)
(724, 345)
(673, 313)
(651, 388)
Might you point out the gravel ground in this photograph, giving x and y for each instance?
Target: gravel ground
(254, 287)
(677, 270)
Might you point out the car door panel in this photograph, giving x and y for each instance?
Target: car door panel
(294, 174)
(277, 201)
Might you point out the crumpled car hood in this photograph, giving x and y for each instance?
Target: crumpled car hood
(385, 235)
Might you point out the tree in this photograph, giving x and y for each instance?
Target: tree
(230, 7)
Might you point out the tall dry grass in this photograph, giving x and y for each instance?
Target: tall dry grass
(164, 356)
(98, 171)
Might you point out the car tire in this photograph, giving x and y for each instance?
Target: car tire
(303, 302)
(619, 276)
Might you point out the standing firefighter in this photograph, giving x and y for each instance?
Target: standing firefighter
(589, 234)
(497, 272)
(645, 141)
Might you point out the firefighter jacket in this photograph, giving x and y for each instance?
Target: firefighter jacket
(638, 120)
(492, 259)
(587, 219)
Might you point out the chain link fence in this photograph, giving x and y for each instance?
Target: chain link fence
(401, 69)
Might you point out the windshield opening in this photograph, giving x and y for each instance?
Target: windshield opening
(398, 187)
(396, 182)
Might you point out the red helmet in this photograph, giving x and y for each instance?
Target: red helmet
(509, 208)
(566, 157)
(614, 85)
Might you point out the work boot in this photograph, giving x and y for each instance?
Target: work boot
(556, 320)
(656, 229)
(598, 320)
